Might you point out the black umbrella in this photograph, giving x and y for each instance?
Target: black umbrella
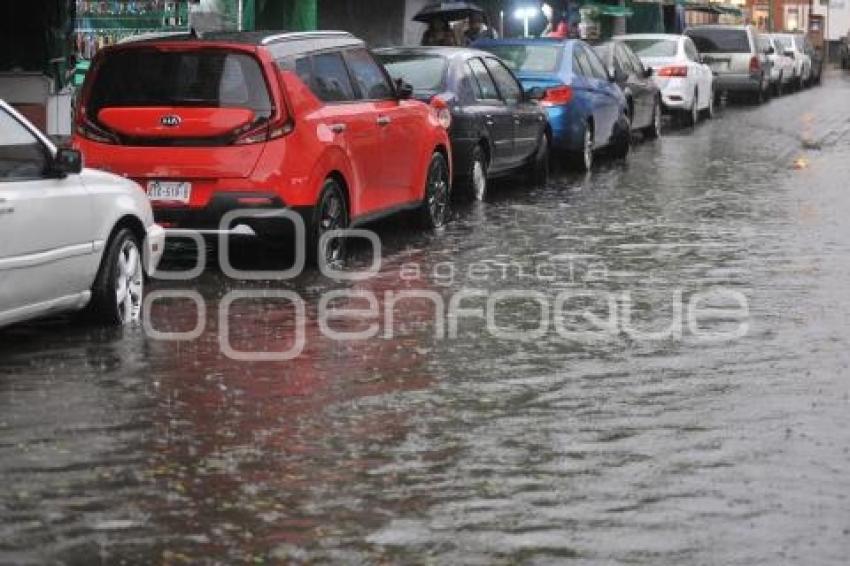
(448, 11)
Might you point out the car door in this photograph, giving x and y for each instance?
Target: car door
(397, 122)
(526, 121)
(498, 118)
(606, 96)
(348, 123)
(46, 224)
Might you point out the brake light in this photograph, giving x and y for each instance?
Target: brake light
(557, 96)
(280, 127)
(755, 64)
(673, 71)
(441, 112)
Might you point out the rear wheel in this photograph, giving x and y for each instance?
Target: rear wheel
(330, 213)
(622, 138)
(582, 160)
(709, 111)
(539, 166)
(434, 211)
(653, 131)
(777, 89)
(118, 287)
(691, 116)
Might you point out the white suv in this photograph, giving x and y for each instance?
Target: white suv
(70, 238)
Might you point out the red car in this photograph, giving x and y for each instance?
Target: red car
(305, 121)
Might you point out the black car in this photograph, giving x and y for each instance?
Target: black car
(496, 127)
(642, 94)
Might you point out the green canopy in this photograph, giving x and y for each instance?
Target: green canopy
(611, 10)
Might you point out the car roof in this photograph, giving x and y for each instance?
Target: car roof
(524, 41)
(668, 36)
(447, 52)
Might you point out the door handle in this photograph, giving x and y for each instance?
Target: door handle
(384, 120)
(488, 119)
(337, 128)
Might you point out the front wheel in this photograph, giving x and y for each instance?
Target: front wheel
(434, 210)
(119, 285)
(653, 131)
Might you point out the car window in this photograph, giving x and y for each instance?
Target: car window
(486, 87)
(691, 50)
(636, 62)
(720, 40)
(596, 66)
(369, 77)
(508, 86)
(210, 78)
(621, 60)
(653, 47)
(329, 79)
(426, 73)
(22, 155)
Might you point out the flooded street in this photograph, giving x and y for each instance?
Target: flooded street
(420, 445)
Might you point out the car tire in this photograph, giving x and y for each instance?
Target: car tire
(622, 142)
(473, 184)
(777, 89)
(538, 168)
(690, 117)
(708, 113)
(434, 211)
(119, 284)
(653, 131)
(330, 213)
(582, 160)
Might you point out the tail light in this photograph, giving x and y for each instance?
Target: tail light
(441, 112)
(557, 96)
(276, 129)
(755, 64)
(673, 71)
(89, 130)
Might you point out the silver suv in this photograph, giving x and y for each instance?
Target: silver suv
(738, 57)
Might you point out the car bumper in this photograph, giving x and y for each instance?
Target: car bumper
(567, 125)
(219, 214)
(676, 93)
(738, 83)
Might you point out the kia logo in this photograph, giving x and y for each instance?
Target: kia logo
(170, 120)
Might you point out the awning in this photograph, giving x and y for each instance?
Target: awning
(611, 10)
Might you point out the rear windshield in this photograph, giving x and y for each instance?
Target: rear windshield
(146, 77)
(783, 42)
(719, 40)
(653, 47)
(426, 73)
(528, 58)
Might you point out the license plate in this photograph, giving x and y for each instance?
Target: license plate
(173, 191)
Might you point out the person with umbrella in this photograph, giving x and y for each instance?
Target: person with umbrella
(477, 29)
(439, 33)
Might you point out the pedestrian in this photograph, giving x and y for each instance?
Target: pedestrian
(477, 29)
(439, 33)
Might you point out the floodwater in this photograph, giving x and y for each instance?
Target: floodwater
(719, 438)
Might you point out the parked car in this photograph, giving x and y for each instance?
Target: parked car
(643, 97)
(587, 110)
(844, 52)
(686, 85)
(782, 65)
(816, 55)
(267, 121)
(496, 129)
(737, 57)
(70, 238)
(784, 43)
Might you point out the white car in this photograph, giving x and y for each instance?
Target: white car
(782, 73)
(686, 84)
(793, 45)
(70, 238)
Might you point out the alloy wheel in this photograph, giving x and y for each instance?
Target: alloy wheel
(587, 150)
(129, 284)
(479, 179)
(438, 192)
(656, 120)
(332, 217)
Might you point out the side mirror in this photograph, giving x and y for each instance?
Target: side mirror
(648, 72)
(535, 93)
(67, 162)
(769, 50)
(403, 90)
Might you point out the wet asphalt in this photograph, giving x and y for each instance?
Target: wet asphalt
(644, 443)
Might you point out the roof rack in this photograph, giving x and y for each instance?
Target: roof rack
(303, 35)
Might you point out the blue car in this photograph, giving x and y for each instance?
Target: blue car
(587, 110)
